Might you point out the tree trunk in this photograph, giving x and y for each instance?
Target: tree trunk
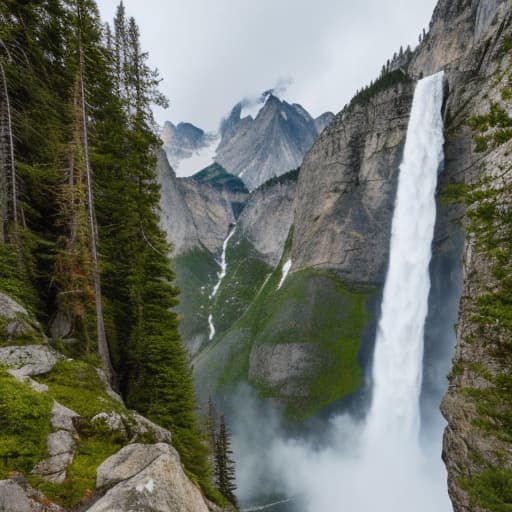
(100, 325)
(8, 192)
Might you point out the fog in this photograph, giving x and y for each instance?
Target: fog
(332, 469)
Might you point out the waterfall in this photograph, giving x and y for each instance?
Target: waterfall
(397, 367)
(221, 275)
(223, 264)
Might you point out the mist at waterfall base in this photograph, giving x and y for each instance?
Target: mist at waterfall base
(386, 461)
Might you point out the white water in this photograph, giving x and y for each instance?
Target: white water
(223, 264)
(397, 367)
(221, 275)
(286, 268)
(211, 326)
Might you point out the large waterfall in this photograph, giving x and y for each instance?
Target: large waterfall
(397, 366)
(384, 463)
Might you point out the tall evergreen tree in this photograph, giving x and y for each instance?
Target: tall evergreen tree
(224, 464)
(85, 145)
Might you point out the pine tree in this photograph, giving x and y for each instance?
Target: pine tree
(224, 464)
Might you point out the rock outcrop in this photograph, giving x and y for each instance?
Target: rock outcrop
(16, 495)
(146, 477)
(61, 445)
(214, 209)
(143, 477)
(16, 324)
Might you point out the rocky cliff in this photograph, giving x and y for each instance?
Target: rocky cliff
(68, 433)
(268, 215)
(347, 185)
(198, 211)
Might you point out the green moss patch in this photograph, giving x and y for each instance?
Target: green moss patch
(24, 424)
(491, 489)
(246, 272)
(196, 273)
(76, 385)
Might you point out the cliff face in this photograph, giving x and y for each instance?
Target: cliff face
(197, 212)
(346, 188)
(267, 218)
(175, 216)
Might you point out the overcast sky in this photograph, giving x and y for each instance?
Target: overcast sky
(213, 53)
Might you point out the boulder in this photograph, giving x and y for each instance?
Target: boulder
(61, 445)
(13, 497)
(129, 461)
(153, 480)
(29, 360)
(53, 469)
(113, 420)
(16, 321)
(62, 417)
(16, 494)
(60, 442)
(145, 426)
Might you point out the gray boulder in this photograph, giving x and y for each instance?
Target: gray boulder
(62, 417)
(15, 320)
(61, 445)
(129, 461)
(29, 360)
(13, 497)
(145, 426)
(152, 479)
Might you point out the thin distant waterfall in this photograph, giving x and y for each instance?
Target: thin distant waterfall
(223, 264)
(398, 358)
(221, 276)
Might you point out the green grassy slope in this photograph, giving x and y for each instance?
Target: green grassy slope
(313, 307)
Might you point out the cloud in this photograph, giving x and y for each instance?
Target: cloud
(213, 54)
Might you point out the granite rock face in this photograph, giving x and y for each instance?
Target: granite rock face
(282, 366)
(267, 218)
(175, 217)
(212, 210)
(29, 360)
(323, 121)
(346, 189)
